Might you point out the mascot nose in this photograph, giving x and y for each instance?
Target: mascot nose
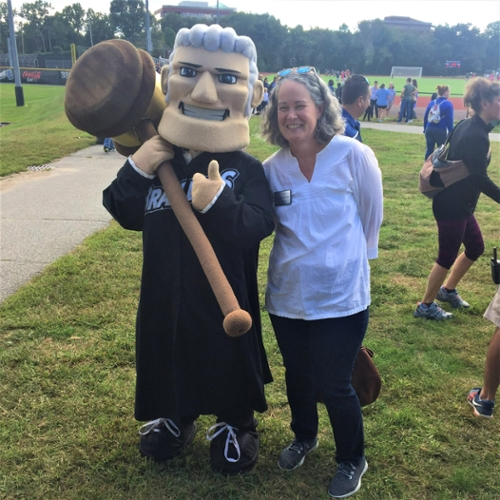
(205, 90)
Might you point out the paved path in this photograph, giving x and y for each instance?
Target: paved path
(46, 214)
(410, 129)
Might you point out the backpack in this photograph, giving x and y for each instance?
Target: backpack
(434, 113)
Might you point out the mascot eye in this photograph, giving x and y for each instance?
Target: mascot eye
(229, 79)
(188, 72)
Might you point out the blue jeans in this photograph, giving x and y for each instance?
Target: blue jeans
(319, 356)
(434, 135)
(406, 110)
(108, 143)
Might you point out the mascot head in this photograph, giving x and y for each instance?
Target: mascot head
(211, 87)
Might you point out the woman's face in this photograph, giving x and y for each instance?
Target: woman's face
(297, 113)
(491, 110)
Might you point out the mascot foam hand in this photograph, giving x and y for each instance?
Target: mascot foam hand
(205, 190)
(152, 154)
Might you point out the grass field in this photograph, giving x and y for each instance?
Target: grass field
(67, 370)
(36, 130)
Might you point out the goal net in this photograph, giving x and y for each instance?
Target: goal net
(406, 71)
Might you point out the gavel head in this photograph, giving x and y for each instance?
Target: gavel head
(111, 88)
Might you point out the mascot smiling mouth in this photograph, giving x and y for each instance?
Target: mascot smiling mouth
(204, 113)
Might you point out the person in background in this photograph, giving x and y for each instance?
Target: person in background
(372, 108)
(355, 101)
(482, 399)
(373, 98)
(338, 93)
(392, 96)
(265, 100)
(382, 102)
(406, 106)
(328, 210)
(454, 207)
(331, 87)
(414, 98)
(440, 124)
(108, 145)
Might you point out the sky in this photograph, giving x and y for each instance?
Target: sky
(333, 13)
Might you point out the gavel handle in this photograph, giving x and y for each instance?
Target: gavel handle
(236, 320)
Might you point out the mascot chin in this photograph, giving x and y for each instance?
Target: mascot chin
(203, 206)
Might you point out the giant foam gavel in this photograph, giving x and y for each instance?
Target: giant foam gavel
(112, 91)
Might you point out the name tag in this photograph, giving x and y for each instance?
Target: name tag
(282, 198)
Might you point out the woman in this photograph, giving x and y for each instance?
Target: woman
(438, 119)
(373, 103)
(392, 96)
(382, 102)
(454, 207)
(328, 210)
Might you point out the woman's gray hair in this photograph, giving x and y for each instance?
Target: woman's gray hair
(330, 122)
(213, 38)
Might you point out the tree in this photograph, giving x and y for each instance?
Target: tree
(491, 58)
(267, 33)
(100, 26)
(36, 13)
(127, 18)
(4, 27)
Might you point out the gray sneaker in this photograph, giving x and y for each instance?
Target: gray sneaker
(431, 312)
(347, 479)
(293, 455)
(453, 298)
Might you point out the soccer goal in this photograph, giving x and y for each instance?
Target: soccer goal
(406, 71)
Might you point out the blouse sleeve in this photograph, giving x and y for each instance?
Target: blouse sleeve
(368, 194)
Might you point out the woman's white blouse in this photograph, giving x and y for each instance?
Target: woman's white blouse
(326, 230)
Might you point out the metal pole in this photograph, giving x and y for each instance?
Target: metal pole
(15, 61)
(90, 30)
(217, 18)
(149, 44)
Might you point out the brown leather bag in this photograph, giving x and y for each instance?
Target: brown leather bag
(449, 171)
(365, 378)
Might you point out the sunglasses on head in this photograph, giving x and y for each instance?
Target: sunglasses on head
(300, 70)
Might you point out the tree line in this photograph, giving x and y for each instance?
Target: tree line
(373, 48)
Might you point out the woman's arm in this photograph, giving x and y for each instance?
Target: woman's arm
(369, 196)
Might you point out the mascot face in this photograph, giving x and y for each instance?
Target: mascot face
(208, 92)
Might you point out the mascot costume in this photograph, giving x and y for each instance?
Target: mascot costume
(203, 206)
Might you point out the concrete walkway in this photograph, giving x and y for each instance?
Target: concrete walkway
(46, 214)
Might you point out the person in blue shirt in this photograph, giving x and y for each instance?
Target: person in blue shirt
(437, 125)
(383, 96)
(355, 101)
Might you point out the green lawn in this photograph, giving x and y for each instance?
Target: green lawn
(67, 372)
(39, 132)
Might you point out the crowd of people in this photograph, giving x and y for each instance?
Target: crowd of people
(321, 193)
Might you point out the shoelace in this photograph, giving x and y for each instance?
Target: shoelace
(347, 469)
(296, 446)
(154, 426)
(231, 438)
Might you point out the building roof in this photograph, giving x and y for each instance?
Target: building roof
(406, 22)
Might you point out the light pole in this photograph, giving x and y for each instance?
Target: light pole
(217, 16)
(15, 60)
(90, 32)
